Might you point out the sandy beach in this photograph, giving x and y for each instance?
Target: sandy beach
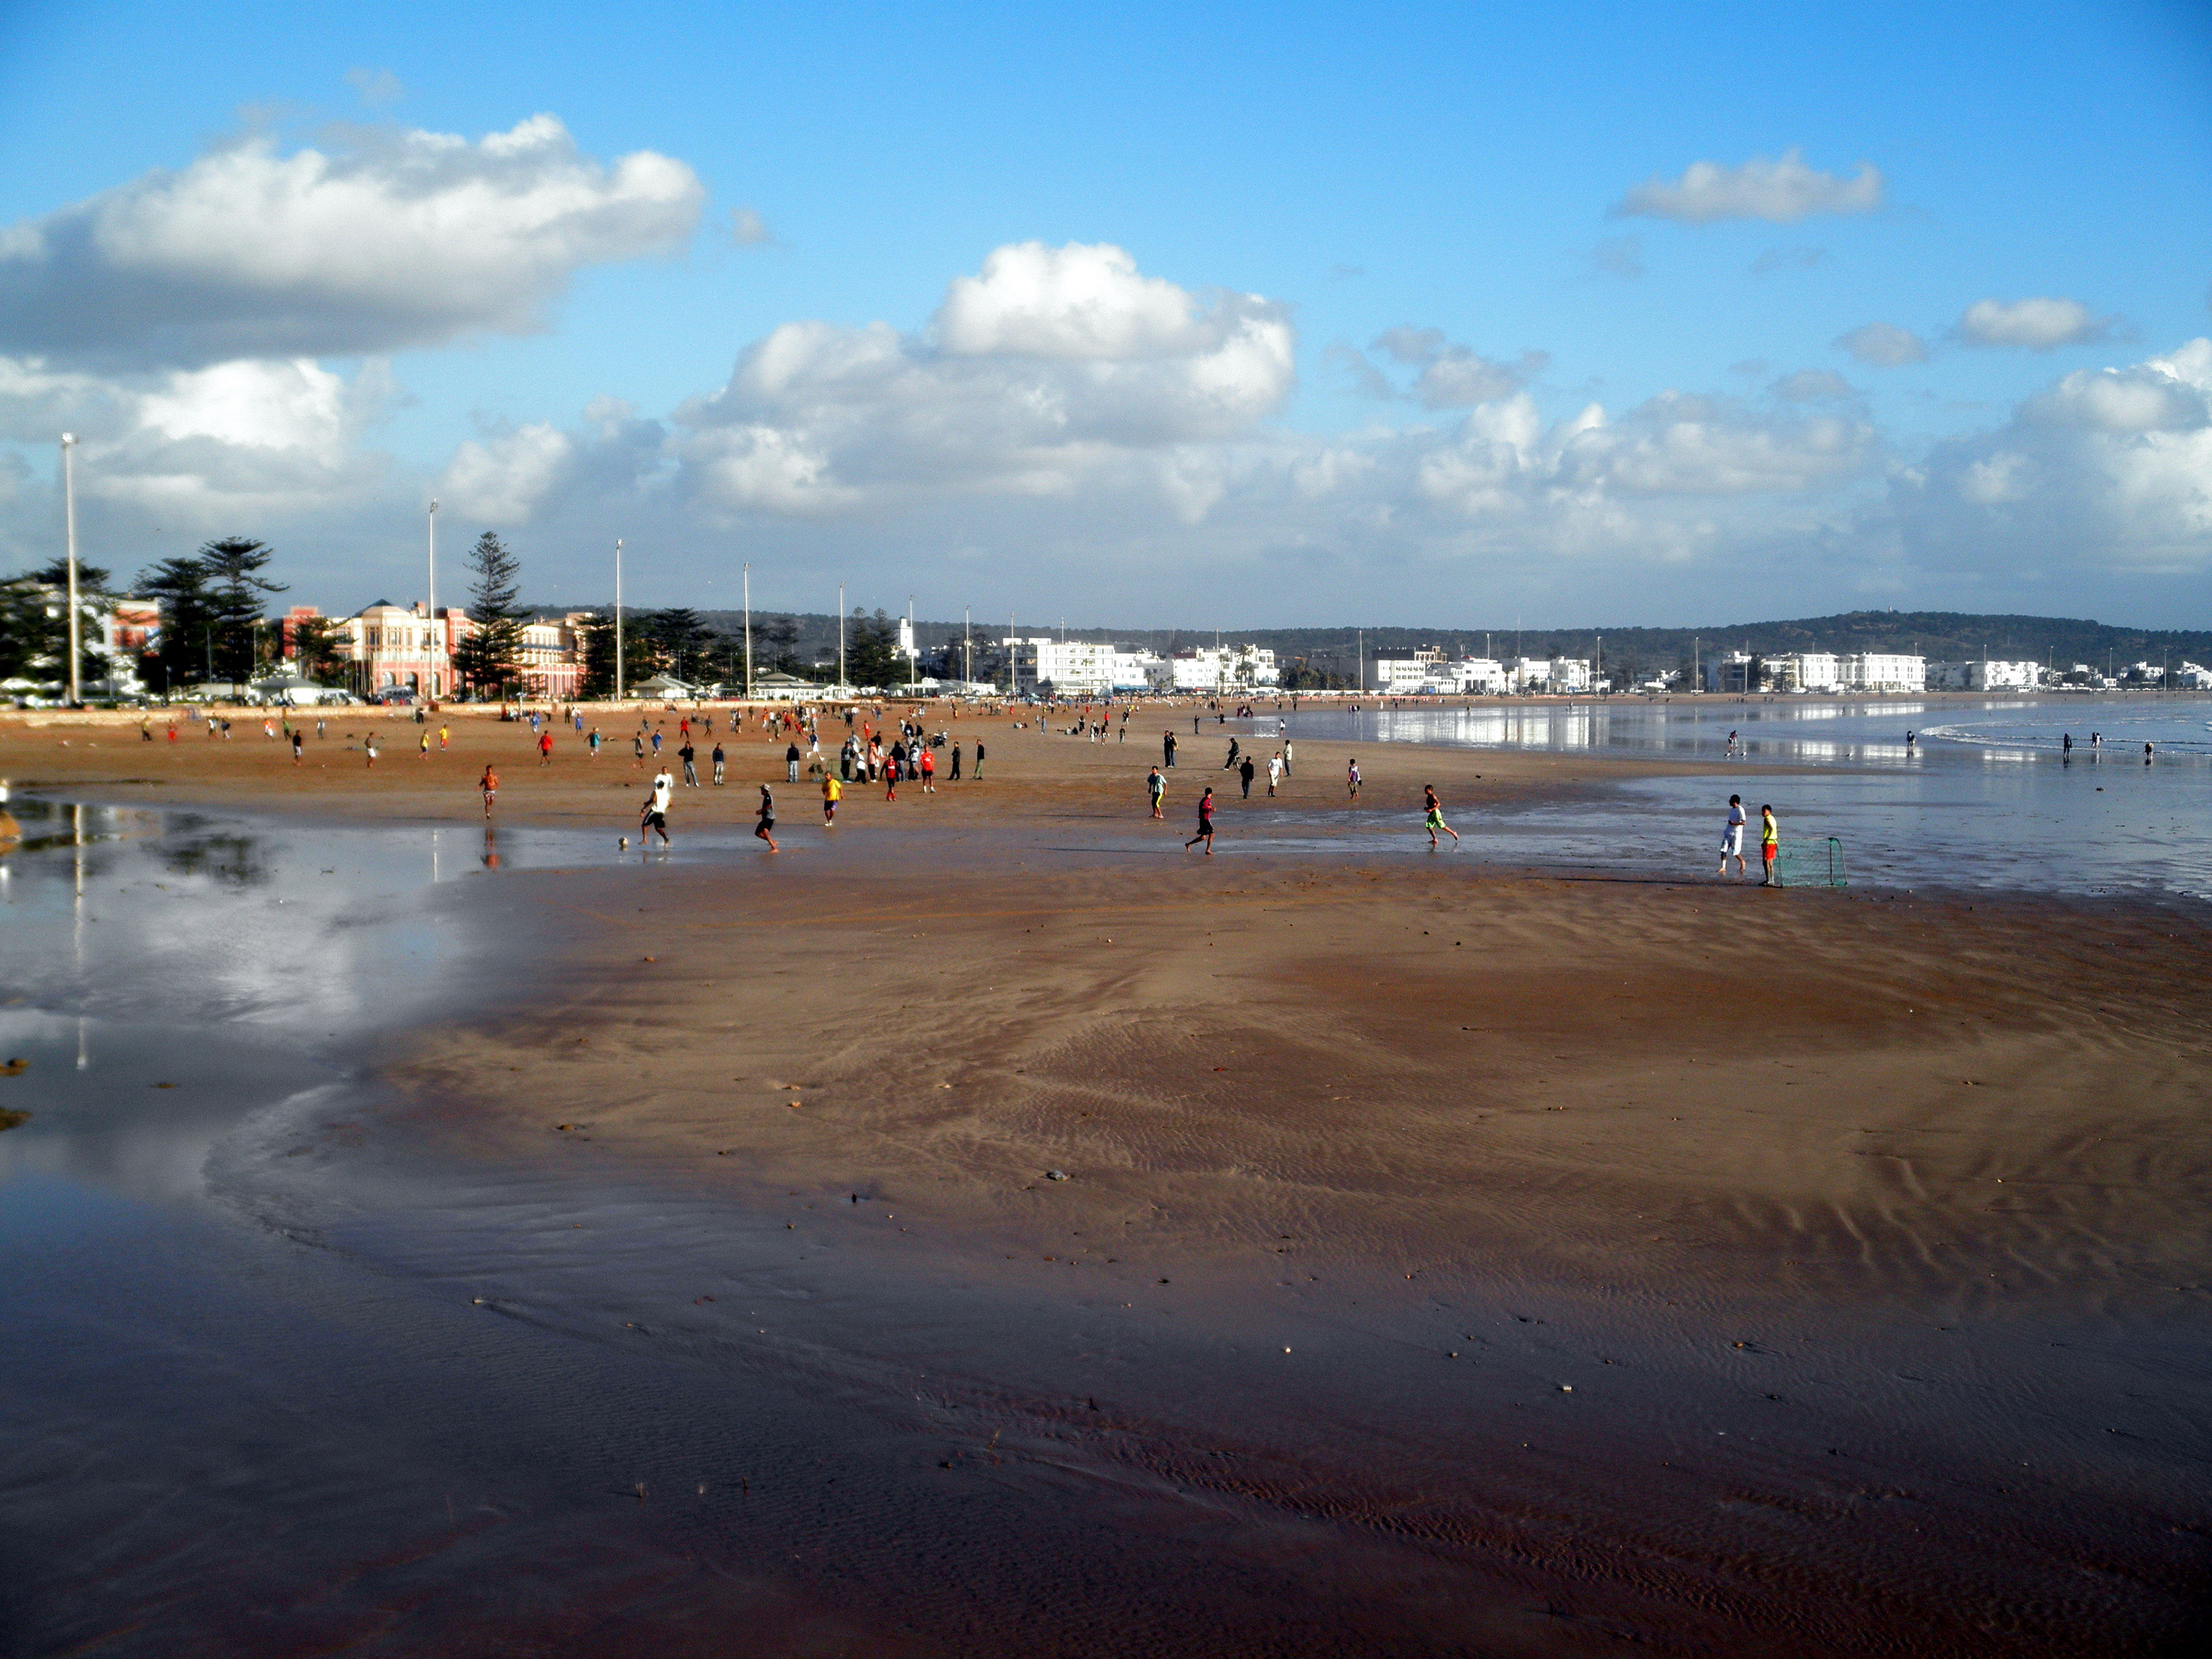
(1572, 1262)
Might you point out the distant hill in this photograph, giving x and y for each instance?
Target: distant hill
(1939, 635)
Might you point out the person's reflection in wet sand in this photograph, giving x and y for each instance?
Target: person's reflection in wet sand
(491, 847)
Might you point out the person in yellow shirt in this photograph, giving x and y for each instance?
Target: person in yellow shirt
(1769, 844)
(831, 790)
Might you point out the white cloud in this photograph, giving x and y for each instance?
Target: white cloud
(1781, 191)
(1053, 367)
(1884, 345)
(2038, 324)
(2109, 470)
(404, 238)
(503, 479)
(1451, 376)
(210, 448)
(748, 229)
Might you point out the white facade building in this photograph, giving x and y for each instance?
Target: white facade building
(1882, 672)
(1067, 668)
(1984, 675)
(1222, 670)
(1482, 675)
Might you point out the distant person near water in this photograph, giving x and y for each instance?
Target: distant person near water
(1732, 837)
(490, 784)
(1769, 844)
(1434, 810)
(1351, 779)
(1205, 824)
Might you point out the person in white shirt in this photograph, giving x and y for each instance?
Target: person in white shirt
(655, 813)
(1732, 835)
(1275, 771)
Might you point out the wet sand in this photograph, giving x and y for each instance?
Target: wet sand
(1456, 1256)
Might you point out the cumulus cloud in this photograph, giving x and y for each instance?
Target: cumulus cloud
(401, 238)
(201, 446)
(2109, 469)
(2040, 323)
(1450, 376)
(1781, 191)
(1884, 345)
(1050, 367)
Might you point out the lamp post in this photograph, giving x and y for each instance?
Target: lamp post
(840, 638)
(618, 637)
(749, 632)
(431, 687)
(69, 513)
(911, 652)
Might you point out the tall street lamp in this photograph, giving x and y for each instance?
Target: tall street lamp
(618, 631)
(749, 632)
(68, 511)
(430, 688)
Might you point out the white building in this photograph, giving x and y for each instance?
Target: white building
(1984, 675)
(1067, 668)
(1882, 672)
(1483, 675)
(1729, 674)
(1405, 677)
(1558, 675)
(2193, 676)
(1140, 671)
(1223, 670)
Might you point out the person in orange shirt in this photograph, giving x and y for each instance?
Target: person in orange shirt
(490, 784)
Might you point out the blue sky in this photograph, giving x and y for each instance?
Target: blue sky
(1153, 315)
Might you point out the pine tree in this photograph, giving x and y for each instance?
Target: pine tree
(183, 648)
(234, 587)
(490, 659)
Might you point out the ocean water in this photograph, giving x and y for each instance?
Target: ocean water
(1984, 797)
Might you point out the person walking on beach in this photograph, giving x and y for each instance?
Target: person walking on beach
(488, 783)
(1434, 810)
(1205, 824)
(765, 828)
(636, 750)
(1732, 837)
(655, 814)
(891, 775)
(546, 747)
(1352, 778)
(422, 743)
(1166, 749)
(1275, 771)
(298, 735)
(791, 762)
(445, 731)
(928, 769)
(1286, 757)
(718, 758)
(688, 755)
(1769, 844)
(656, 745)
(1244, 774)
(953, 776)
(1157, 787)
(978, 760)
(831, 790)
(1229, 764)
(592, 744)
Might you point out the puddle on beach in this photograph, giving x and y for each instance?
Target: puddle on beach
(280, 1381)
